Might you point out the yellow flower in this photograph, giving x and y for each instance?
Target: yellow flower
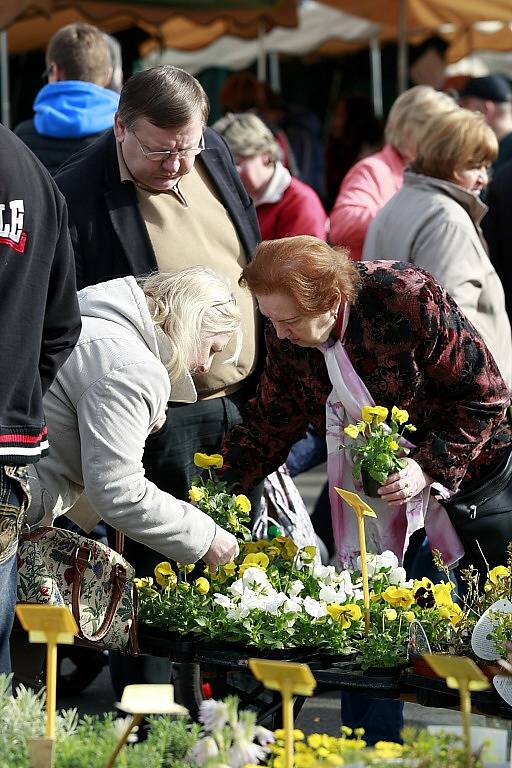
(399, 596)
(308, 553)
(143, 583)
(399, 415)
(202, 585)
(243, 503)
(409, 616)
(258, 560)
(390, 614)
(205, 461)
(388, 749)
(288, 548)
(497, 573)
(457, 615)
(443, 593)
(352, 430)
(185, 567)
(424, 582)
(393, 445)
(344, 615)
(165, 576)
(195, 494)
(374, 414)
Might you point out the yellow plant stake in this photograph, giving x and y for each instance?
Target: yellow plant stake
(53, 625)
(462, 673)
(362, 510)
(140, 700)
(289, 679)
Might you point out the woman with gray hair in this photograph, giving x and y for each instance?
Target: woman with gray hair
(285, 206)
(139, 342)
(373, 181)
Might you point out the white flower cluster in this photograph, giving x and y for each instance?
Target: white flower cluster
(254, 590)
(230, 739)
(386, 565)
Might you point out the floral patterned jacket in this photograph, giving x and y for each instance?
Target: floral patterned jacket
(414, 348)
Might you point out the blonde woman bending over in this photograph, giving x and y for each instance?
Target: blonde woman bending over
(140, 341)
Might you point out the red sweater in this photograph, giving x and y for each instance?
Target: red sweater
(298, 212)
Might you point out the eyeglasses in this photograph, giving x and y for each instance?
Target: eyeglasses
(159, 156)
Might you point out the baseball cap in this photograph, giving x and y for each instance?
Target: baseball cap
(489, 88)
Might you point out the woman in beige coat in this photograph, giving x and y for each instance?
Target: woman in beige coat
(434, 223)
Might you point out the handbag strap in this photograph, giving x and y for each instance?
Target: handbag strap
(119, 542)
(118, 577)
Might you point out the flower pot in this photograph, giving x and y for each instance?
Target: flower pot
(370, 486)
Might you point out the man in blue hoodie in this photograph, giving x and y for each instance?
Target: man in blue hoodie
(76, 106)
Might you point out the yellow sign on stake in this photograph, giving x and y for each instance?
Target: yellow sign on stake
(462, 673)
(53, 625)
(362, 510)
(290, 679)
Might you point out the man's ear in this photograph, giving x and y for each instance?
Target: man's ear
(119, 129)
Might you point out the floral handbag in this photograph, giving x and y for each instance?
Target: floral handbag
(60, 567)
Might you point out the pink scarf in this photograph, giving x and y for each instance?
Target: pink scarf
(393, 527)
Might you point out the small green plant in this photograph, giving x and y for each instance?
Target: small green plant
(378, 450)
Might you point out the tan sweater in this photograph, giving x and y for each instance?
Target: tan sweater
(192, 227)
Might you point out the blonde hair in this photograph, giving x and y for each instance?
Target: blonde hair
(189, 306)
(305, 269)
(455, 141)
(409, 112)
(247, 135)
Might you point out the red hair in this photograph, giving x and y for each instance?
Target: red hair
(305, 269)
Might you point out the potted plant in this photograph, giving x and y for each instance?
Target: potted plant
(378, 450)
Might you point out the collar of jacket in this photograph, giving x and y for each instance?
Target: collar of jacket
(121, 200)
(469, 201)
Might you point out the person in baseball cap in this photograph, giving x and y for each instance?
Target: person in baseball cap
(492, 96)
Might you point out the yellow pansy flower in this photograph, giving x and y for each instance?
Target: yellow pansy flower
(352, 430)
(409, 616)
(258, 560)
(388, 749)
(498, 573)
(390, 614)
(288, 548)
(374, 414)
(208, 461)
(399, 415)
(308, 553)
(443, 593)
(202, 585)
(393, 445)
(344, 615)
(243, 503)
(143, 583)
(195, 494)
(165, 575)
(457, 615)
(399, 596)
(424, 582)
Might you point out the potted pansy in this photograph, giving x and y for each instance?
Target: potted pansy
(377, 451)
(213, 496)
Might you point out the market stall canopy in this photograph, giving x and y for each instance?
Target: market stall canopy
(32, 22)
(426, 14)
(317, 24)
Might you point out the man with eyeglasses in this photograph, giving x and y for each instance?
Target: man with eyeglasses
(161, 191)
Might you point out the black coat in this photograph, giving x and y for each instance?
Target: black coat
(39, 313)
(52, 152)
(107, 230)
(497, 228)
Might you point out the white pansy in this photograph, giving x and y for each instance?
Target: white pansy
(293, 605)
(388, 559)
(263, 736)
(324, 573)
(314, 608)
(254, 575)
(274, 602)
(222, 600)
(237, 588)
(397, 576)
(344, 579)
(331, 595)
(203, 750)
(371, 563)
(213, 714)
(296, 588)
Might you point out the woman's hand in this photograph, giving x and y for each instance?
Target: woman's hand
(224, 548)
(403, 485)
